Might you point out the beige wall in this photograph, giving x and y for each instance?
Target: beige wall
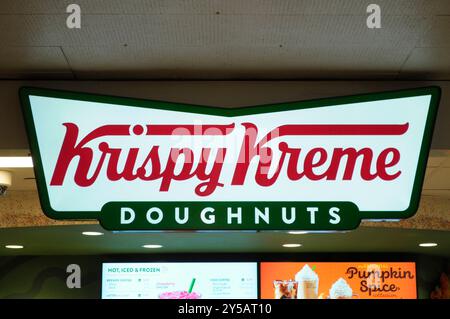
(22, 209)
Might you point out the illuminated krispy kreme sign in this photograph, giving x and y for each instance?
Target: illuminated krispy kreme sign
(149, 165)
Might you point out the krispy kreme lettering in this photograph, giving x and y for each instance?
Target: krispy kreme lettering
(315, 165)
(153, 167)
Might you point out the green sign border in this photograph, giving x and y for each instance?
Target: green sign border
(434, 91)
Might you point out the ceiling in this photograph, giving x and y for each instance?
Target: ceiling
(68, 240)
(233, 39)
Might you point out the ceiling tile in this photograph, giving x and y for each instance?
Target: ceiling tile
(356, 60)
(355, 7)
(190, 39)
(431, 63)
(400, 32)
(32, 59)
(32, 7)
(438, 34)
(51, 30)
(440, 7)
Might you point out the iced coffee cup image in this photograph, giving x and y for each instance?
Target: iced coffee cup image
(308, 283)
(341, 290)
(285, 289)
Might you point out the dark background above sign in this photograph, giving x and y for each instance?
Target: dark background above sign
(220, 93)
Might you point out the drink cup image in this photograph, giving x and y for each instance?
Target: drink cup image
(285, 289)
(179, 295)
(308, 283)
(183, 294)
(341, 290)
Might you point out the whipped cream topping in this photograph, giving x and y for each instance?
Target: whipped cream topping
(306, 274)
(341, 289)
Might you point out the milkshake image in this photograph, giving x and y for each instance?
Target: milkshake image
(308, 283)
(341, 290)
(182, 294)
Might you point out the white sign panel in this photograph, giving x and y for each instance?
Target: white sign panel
(179, 281)
(145, 162)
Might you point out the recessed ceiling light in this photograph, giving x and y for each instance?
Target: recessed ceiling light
(15, 161)
(428, 245)
(295, 232)
(292, 245)
(152, 246)
(92, 233)
(14, 246)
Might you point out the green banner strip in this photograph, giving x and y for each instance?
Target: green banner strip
(229, 216)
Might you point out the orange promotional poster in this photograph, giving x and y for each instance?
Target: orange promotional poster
(338, 280)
